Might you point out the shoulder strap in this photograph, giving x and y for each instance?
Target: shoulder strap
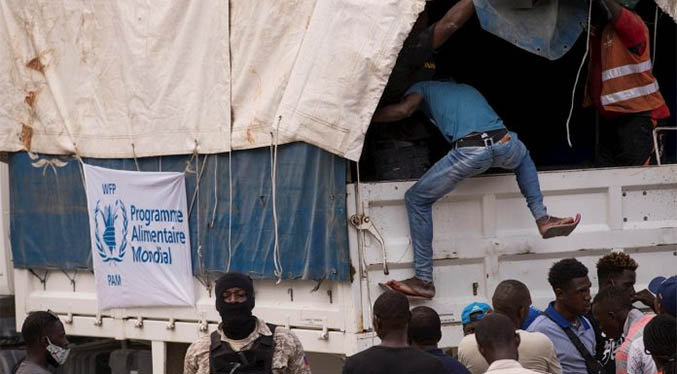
(591, 364)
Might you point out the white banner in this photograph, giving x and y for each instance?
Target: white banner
(138, 223)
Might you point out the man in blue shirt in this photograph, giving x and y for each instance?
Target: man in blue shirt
(479, 141)
(564, 319)
(425, 331)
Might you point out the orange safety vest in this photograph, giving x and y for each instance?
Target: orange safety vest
(628, 86)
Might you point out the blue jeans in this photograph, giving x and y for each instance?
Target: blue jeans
(458, 164)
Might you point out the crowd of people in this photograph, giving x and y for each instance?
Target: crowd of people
(575, 334)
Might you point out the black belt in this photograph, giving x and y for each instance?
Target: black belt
(483, 139)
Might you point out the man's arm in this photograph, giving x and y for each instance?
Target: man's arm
(190, 361)
(628, 25)
(452, 21)
(395, 112)
(645, 297)
(554, 367)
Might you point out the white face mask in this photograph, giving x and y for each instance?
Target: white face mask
(58, 354)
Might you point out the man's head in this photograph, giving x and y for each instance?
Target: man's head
(497, 338)
(472, 314)
(665, 290)
(660, 336)
(43, 332)
(610, 309)
(617, 269)
(234, 301)
(570, 282)
(512, 299)
(425, 327)
(391, 313)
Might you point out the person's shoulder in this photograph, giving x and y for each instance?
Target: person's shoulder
(467, 341)
(540, 323)
(363, 355)
(201, 345)
(27, 367)
(536, 341)
(286, 340)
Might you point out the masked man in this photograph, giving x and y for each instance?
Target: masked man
(46, 343)
(244, 343)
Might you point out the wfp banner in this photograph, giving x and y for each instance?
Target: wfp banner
(138, 223)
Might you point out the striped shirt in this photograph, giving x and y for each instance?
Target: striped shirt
(571, 360)
(632, 330)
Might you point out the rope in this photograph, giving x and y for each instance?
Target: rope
(198, 180)
(216, 190)
(43, 280)
(655, 37)
(135, 159)
(200, 251)
(573, 93)
(273, 175)
(230, 205)
(44, 163)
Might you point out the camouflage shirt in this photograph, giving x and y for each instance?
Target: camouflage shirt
(288, 356)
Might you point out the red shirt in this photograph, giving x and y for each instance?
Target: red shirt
(630, 29)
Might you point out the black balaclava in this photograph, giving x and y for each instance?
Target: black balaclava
(237, 318)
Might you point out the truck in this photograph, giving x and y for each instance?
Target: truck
(352, 233)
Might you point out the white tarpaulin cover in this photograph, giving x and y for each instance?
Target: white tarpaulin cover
(123, 78)
(138, 225)
(669, 7)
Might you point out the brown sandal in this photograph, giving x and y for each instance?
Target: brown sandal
(413, 288)
(550, 226)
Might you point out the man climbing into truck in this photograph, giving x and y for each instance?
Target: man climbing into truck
(479, 141)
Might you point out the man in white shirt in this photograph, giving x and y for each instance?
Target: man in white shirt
(498, 341)
(536, 351)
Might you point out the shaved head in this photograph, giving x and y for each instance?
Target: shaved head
(512, 299)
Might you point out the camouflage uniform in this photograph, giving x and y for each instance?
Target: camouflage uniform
(288, 356)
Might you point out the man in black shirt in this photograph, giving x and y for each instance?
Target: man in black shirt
(425, 331)
(393, 355)
(616, 269)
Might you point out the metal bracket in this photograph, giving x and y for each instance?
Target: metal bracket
(98, 321)
(324, 335)
(203, 325)
(363, 223)
(171, 325)
(139, 322)
(69, 318)
(655, 141)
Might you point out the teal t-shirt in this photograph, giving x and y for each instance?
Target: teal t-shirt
(457, 109)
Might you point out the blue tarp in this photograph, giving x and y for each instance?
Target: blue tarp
(548, 28)
(49, 223)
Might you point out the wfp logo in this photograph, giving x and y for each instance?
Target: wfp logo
(108, 247)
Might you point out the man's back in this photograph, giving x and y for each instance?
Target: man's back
(536, 352)
(457, 109)
(386, 360)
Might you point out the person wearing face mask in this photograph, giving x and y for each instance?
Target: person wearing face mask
(46, 343)
(244, 343)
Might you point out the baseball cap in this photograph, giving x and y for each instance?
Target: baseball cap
(654, 284)
(480, 309)
(667, 295)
